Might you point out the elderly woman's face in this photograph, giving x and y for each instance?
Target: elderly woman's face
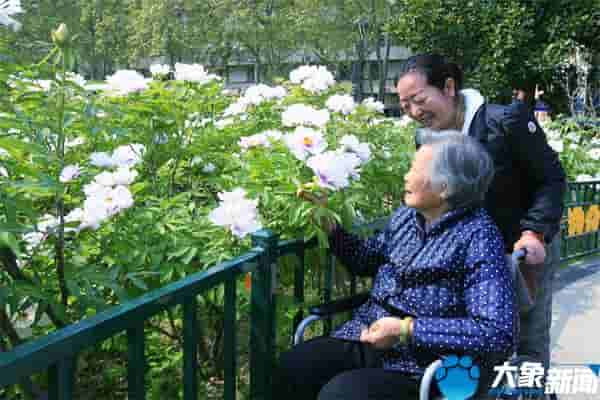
(425, 103)
(418, 192)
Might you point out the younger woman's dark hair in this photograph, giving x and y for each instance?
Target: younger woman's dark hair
(436, 68)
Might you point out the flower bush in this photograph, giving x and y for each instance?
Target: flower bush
(578, 146)
(111, 190)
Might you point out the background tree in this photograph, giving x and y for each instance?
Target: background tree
(499, 42)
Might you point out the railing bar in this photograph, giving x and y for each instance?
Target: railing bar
(136, 362)
(61, 380)
(299, 287)
(230, 350)
(190, 348)
(53, 383)
(327, 293)
(38, 355)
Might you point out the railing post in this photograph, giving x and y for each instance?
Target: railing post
(136, 363)
(60, 379)
(190, 348)
(262, 310)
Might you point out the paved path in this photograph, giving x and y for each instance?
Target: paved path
(575, 334)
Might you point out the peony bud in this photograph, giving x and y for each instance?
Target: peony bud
(60, 36)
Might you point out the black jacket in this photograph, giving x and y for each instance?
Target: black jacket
(529, 182)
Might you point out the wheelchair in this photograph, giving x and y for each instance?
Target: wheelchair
(525, 301)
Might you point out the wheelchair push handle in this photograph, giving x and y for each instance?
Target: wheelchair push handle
(518, 256)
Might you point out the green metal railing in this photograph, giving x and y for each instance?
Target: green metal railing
(57, 352)
(579, 229)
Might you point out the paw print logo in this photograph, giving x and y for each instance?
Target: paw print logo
(458, 377)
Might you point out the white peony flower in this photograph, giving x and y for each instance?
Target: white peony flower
(7, 9)
(403, 122)
(103, 204)
(259, 93)
(47, 223)
(127, 81)
(124, 176)
(334, 170)
(552, 134)
(3, 152)
(341, 103)
(196, 160)
(121, 198)
(160, 69)
(104, 179)
(69, 173)
(304, 142)
(73, 77)
(96, 189)
(303, 115)
(314, 79)
(33, 240)
(573, 137)
(584, 178)
(350, 143)
(237, 108)
(101, 159)
(94, 212)
(75, 142)
(260, 139)
(236, 213)
(75, 215)
(222, 123)
(594, 154)
(301, 73)
(373, 105)
(128, 155)
(193, 73)
(23, 319)
(3, 172)
(557, 145)
(273, 135)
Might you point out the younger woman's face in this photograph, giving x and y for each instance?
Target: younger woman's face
(432, 107)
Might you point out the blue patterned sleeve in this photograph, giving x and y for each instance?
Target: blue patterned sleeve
(362, 257)
(490, 327)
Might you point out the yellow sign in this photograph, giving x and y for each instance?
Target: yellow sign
(581, 221)
(592, 219)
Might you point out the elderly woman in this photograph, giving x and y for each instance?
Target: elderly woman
(441, 286)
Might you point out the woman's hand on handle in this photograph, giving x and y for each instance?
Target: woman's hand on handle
(536, 252)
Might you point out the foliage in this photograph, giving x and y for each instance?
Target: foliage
(500, 43)
(55, 270)
(578, 144)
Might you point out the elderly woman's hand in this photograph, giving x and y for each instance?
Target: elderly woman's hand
(388, 331)
(327, 225)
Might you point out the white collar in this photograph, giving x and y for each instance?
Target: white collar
(473, 101)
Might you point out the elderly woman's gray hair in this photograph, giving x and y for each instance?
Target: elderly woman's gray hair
(460, 165)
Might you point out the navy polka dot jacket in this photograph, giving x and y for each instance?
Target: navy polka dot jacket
(452, 278)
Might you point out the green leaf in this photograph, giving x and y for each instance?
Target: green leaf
(8, 240)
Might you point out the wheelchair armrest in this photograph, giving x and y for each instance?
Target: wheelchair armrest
(427, 380)
(338, 306)
(326, 310)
